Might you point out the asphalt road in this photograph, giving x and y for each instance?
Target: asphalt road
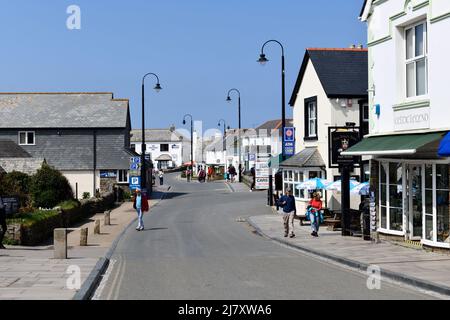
(194, 247)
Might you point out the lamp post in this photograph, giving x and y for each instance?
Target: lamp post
(239, 130)
(263, 60)
(157, 88)
(192, 143)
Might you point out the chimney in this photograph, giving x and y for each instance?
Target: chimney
(352, 46)
(360, 46)
(172, 128)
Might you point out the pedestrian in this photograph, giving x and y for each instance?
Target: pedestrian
(161, 178)
(287, 202)
(210, 173)
(253, 172)
(232, 173)
(202, 176)
(314, 213)
(140, 204)
(188, 175)
(2, 223)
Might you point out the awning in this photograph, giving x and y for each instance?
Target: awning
(307, 158)
(444, 147)
(405, 144)
(164, 157)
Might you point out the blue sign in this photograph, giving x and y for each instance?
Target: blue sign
(108, 174)
(135, 160)
(252, 157)
(289, 149)
(289, 134)
(135, 183)
(134, 166)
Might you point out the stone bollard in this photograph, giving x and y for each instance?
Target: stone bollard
(60, 243)
(97, 227)
(108, 218)
(84, 237)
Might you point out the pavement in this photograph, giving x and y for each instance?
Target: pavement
(414, 267)
(31, 273)
(199, 246)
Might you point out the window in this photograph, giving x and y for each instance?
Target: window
(26, 138)
(164, 148)
(391, 196)
(122, 176)
(443, 202)
(133, 147)
(416, 60)
(311, 119)
(364, 118)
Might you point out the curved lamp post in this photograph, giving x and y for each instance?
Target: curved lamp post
(263, 60)
(192, 142)
(157, 88)
(239, 131)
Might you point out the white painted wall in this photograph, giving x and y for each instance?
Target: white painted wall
(154, 148)
(85, 181)
(329, 113)
(387, 67)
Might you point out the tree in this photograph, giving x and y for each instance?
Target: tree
(16, 184)
(49, 187)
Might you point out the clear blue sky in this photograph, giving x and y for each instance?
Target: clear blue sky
(199, 48)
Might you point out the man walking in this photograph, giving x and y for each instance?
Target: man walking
(253, 172)
(161, 178)
(287, 202)
(2, 223)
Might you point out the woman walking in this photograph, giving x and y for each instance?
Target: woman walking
(315, 216)
(140, 204)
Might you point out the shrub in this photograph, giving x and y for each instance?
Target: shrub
(49, 187)
(69, 204)
(16, 184)
(86, 195)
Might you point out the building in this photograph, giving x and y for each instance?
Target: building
(167, 147)
(331, 91)
(409, 115)
(84, 135)
(266, 138)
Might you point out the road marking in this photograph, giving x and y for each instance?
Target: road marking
(113, 284)
(105, 278)
(119, 283)
(229, 187)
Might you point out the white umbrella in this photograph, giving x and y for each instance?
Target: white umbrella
(313, 184)
(361, 189)
(337, 185)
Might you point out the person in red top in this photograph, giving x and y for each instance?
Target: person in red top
(314, 207)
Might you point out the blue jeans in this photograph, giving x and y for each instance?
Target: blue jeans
(315, 223)
(140, 218)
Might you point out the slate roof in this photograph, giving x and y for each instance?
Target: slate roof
(342, 72)
(308, 157)
(9, 149)
(157, 135)
(62, 110)
(275, 124)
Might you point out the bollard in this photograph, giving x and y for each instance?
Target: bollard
(97, 227)
(108, 218)
(60, 243)
(84, 237)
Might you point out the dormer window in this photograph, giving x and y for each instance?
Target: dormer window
(27, 138)
(416, 60)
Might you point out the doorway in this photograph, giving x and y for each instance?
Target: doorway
(414, 199)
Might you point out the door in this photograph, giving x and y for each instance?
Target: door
(415, 195)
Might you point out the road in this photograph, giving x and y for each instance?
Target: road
(194, 247)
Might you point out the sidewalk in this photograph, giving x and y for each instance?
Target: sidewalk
(425, 270)
(31, 273)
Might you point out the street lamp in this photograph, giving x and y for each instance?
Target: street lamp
(263, 60)
(192, 143)
(239, 131)
(157, 88)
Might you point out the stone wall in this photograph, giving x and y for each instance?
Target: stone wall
(43, 230)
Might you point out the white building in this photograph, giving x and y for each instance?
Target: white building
(409, 115)
(166, 146)
(331, 91)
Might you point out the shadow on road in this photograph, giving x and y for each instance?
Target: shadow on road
(172, 195)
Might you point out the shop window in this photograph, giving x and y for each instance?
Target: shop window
(442, 202)
(391, 196)
(429, 202)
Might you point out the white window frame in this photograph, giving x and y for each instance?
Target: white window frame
(26, 138)
(118, 176)
(388, 230)
(416, 59)
(314, 117)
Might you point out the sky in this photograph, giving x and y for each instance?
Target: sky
(199, 48)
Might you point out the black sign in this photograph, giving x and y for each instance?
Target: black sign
(11, 205)
(341, 139)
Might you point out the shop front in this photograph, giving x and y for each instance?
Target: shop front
(412, 187)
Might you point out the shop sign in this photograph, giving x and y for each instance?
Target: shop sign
(262, 171)
(107, 174)
(412, 119)
(289, 141)
(11, 205)
(341, 139)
